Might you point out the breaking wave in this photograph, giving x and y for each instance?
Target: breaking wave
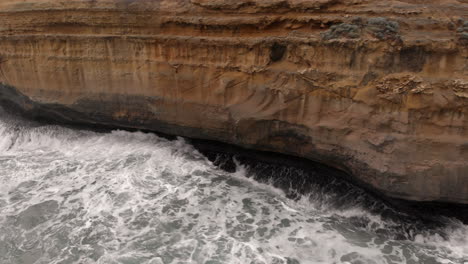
(75, 196)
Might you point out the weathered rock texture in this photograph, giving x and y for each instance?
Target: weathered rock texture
(377, 88)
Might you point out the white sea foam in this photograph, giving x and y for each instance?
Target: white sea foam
(71, 196)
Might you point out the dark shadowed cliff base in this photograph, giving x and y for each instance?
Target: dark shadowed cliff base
(294, 175)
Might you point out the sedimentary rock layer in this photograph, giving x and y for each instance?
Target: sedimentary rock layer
(376, 88)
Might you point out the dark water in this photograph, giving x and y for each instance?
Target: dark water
(73, 196)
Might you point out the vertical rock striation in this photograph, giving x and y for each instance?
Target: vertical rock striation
(376, 88)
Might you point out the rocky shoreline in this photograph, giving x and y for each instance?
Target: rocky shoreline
(378, 90)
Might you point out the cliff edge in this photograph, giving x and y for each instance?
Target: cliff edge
(376, 88)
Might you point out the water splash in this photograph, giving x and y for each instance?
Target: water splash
(72, 196)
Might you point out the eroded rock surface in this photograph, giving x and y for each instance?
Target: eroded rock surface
(377, 88)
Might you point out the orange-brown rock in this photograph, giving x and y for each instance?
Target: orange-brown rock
(377, 88)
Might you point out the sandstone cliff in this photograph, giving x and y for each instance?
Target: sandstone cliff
(376, 88)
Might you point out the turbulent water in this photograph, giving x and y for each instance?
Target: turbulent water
(75, 196)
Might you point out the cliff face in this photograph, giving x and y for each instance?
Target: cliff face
(377, 88)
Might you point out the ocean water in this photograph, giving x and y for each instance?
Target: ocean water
(75, 196)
